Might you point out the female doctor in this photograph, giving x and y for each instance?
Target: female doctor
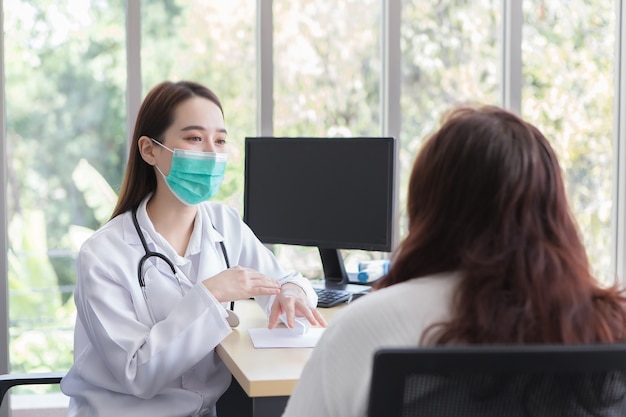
(154, 283)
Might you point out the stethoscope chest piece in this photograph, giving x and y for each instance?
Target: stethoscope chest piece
(232, 318)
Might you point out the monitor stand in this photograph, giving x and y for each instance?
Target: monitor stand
(335, 275)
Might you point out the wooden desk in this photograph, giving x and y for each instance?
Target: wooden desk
(267, 376)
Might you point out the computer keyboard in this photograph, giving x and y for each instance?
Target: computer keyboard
(327, 297)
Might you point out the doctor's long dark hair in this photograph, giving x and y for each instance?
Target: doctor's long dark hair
(155, 116)
(486, 198)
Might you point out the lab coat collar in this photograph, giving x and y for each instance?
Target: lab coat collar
(130, 234)
(153, 239)
(203, 230)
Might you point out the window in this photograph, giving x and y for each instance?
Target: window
(568, 91)
(327, 74)
(449, 55)
(65, 84)
(212, 43)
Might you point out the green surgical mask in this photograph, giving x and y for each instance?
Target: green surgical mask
(194, 176)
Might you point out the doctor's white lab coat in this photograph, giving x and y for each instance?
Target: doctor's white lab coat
(126, 365)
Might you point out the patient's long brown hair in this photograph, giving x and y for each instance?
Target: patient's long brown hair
(486, 198)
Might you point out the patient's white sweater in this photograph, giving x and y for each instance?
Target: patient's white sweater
(335, 381)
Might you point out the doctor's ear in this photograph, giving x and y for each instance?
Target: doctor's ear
(146, 148)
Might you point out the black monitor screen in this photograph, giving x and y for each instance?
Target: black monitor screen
(334, 193)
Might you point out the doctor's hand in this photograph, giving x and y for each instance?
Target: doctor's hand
(238, 283)
(293, 302)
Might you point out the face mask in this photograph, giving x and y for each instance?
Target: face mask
(194, 176)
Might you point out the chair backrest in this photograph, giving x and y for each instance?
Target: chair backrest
(7, 381)
(502, 381)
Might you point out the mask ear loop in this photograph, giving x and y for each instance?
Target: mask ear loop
(160, 144)
(155, 165)
(232, 318)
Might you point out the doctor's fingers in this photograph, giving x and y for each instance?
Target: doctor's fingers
(260, 286)
(312, 315)
(252, 282)
(274, 313)
(318, 317)
(251, 278)
(294, 307)
(238, 283)
(283, 304)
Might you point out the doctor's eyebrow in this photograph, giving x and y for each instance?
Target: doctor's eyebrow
(194, 127)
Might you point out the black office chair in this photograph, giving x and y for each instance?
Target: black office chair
(7, 381)
(500, 381)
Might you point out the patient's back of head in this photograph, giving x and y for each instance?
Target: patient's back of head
(486, 197)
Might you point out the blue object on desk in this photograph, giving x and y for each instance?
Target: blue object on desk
(372, 270)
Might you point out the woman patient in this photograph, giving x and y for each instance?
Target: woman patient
(492, 256)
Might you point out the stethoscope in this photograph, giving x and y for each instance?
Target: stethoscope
(232, 318)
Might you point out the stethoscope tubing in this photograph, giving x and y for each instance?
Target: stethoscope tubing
(149, 254)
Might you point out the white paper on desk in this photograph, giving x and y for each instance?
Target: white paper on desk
(282, 337)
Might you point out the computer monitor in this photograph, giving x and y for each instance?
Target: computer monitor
(329, 193)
